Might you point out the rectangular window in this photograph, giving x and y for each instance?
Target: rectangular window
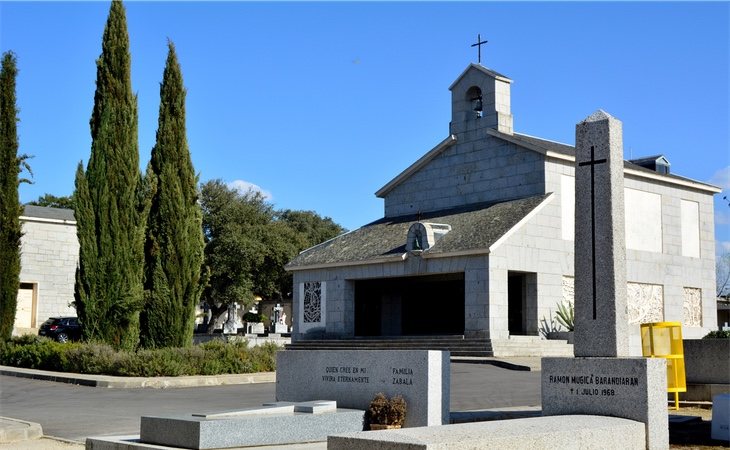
(567, 206)
(313, 305)
(690, 214)
(643, 220)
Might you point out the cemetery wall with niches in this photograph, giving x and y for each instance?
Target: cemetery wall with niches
(473, 170)
(337, 309)
(682, 270)
(49, 255)
(671, 273)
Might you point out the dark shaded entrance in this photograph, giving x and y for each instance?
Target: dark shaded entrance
(427, 305)
(522, 303)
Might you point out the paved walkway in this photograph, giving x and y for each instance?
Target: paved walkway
(108, 381)
(17, 434)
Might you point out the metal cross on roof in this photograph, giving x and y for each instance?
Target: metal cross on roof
(478, 45)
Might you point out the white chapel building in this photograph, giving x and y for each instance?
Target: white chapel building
(476, 240)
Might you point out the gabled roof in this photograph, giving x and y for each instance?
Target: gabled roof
(545, 147)
(46, 213)
(416, 166)
(475, 229)
(567, 152)
(480, 68)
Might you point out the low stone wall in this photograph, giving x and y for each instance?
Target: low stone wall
(548, 433)
(706, 361)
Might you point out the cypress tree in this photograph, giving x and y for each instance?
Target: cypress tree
(174, 243)
(109, 201)
(10, 165)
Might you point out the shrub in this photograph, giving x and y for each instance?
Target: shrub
(254, 317)
(212, 358)
(718, 334)
(93, 359)
(387, 412)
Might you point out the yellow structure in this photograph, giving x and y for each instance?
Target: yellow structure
(664, 340)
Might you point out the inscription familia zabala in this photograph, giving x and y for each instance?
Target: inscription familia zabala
(347, 374)
(595, 380)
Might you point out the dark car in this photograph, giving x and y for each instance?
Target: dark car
(61, 329)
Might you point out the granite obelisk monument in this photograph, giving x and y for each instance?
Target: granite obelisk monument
(602, 379)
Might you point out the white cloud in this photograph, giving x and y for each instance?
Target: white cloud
(721, 178)
(244, 186)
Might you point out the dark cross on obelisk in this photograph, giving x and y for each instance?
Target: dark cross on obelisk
(478, 45)
(593, 163)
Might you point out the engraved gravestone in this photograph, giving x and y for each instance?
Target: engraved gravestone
(353, 377)
(602, 379)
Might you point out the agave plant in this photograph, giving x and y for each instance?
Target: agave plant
(566, 315)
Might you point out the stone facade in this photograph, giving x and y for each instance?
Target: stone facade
(49, 256)
(483, 161)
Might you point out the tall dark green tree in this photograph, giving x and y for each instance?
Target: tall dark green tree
(110, 201)
(10, 167)
(174, 245)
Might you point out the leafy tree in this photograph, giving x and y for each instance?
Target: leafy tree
(174, 246)
(10, 167)
(311, 229)
(248, 244)
(232, 225)
(314, 228)
(722, 275)
(111, 201)
(50, 200)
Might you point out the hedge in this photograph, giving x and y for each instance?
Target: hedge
(211, 358)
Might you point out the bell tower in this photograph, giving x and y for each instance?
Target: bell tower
(480, 99)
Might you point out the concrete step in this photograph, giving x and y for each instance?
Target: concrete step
(530, 346)
(457, 345)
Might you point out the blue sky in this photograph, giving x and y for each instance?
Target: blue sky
(321, 104)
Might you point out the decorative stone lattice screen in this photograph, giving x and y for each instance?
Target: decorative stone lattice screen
(645, 302)
(692, 307)
(312, 302)
(569, 289)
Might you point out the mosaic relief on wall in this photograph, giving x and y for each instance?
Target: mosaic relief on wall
(569, 289)
(692, 307)
(645, 302)
(312, 301)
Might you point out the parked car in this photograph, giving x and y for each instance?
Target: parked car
(61, 329)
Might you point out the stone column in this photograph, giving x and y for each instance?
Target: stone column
(601, 323)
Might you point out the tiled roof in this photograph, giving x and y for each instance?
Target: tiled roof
(473, 228)
(568, 150)
(45, 212)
